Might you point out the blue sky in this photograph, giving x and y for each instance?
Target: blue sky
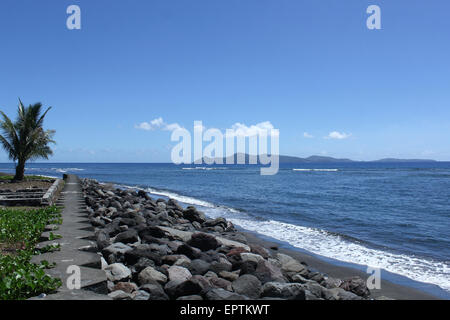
(306, 66)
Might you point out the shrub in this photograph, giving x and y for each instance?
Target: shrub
(19, 278)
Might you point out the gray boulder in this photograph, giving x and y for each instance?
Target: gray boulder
(133, 256)
(177, 273)
(171, 259)
(152, 231)
(199, 267)
(203, 241)
(117, 272)
(248, 285)
(191, 298)
(290, 266)
(142, 264)
(155, 290)
(197, 285)
(151, 275)
(331, 283)
(102, 238)
(183, 262)
(230, 276)
(128, 287)
(215, 222)
(217, 282)
(315, 276)
(221, 265)
(141, 295)
(120, 295)
(268, 272)
(315, 288)
(116, 249)
(339, 294)
(192, 214)
(263, 252)
(190, 252)
(356, 285)
(221, 294)
(289, 291)
(247, 256)
(297, 278)
(129, 236)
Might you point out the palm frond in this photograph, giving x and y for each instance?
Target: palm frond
(25, 138)
(9, 149)
(41, 119)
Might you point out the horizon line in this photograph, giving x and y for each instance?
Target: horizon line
(338, 160)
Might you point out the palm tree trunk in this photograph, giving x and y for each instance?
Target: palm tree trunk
(20, 171)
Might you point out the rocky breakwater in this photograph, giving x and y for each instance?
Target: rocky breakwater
(155, 249)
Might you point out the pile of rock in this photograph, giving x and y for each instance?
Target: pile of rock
(158, 250)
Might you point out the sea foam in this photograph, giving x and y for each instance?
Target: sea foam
(326, 244)
(323, 243)
(317, 170)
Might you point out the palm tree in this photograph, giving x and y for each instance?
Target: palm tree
(25, 139)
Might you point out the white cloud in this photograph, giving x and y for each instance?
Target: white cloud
(307, 135)
(171, 127)
(337, 135)
(157, 123)
(242, 130)
(144, 126)
(238, 129)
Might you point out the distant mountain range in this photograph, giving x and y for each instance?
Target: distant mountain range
(321, 159)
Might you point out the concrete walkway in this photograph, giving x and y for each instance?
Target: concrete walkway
(77, 249)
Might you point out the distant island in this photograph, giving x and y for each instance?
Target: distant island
(318, 159)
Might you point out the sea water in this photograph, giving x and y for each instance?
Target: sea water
(393, 216)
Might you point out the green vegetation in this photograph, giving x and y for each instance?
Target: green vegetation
(26, 178)
(20, 230)
(25, 139)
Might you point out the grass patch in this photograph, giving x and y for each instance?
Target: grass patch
(20, 230)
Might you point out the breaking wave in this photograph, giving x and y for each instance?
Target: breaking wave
(326, 244)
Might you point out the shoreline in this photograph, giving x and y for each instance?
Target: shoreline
(340, 269)
(388, 288)
(318, 269)
(154, 249)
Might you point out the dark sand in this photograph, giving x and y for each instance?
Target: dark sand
(388, 289)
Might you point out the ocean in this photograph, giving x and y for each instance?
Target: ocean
(395, 216)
